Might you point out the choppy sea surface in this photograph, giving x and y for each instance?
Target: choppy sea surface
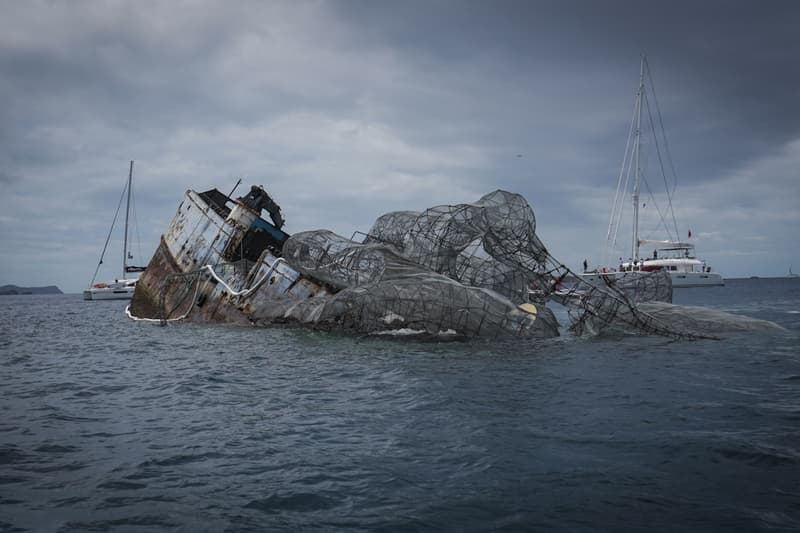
(112, 425)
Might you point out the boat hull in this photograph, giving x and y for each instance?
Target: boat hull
(680, 280)
(108, 293)
(696, 279)
(195, 275)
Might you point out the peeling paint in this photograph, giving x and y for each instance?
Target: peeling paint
(177, 281)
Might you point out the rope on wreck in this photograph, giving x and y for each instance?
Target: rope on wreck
(254, 287)
(219, 280)
(604, 302)
(165, 319)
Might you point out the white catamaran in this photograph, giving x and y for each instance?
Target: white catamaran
(671, 254)
(119, 289)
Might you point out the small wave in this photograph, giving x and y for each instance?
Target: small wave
(10, 528)
(11, 454)
(67, 467)
(54, 388)
(55, 449)
(121, 485)
(301, 501)
(774, 519)
(69, 418)
(758, 455)
(106, 435)
(68, 502)
(101, 389)
(139, 521)
(181, 459)
(10, 480)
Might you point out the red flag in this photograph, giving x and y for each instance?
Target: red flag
(690, 234)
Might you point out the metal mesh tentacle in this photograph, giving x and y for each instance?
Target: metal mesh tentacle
(467, 268)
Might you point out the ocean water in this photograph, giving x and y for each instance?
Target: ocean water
(112, 425)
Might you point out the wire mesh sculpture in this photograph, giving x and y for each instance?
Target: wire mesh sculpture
(464, 267)
(380, 290)
(465, 270)
(491, 243)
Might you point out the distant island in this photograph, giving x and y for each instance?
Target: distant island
(7, 290)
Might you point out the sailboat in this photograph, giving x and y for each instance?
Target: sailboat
(673, 255)
(119, 289)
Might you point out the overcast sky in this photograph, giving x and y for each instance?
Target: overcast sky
(347, 109)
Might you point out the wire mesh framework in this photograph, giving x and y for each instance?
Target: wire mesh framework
(381, 290)
(467, 268)
(491, 243)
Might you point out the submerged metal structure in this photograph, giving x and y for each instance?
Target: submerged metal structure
(466, 270)
(219, 261)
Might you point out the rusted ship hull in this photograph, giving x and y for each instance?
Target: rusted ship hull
(218, 264)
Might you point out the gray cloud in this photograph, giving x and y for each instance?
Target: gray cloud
(725, 65)
(348, 109)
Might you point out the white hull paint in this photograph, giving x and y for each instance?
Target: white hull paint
(121, 289)
(108, 294)
(679, 279)
(696, 279)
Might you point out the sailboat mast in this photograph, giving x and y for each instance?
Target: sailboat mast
(636, 182)
(127, 212)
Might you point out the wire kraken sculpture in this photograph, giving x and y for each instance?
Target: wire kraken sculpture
(465, 270)
(473, 269)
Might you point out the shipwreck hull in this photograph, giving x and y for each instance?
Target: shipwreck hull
(218, 264)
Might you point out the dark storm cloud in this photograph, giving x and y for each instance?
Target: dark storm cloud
(347, 109)
(120, 69)
(731, 63)
(8, 178)
(108, 82)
